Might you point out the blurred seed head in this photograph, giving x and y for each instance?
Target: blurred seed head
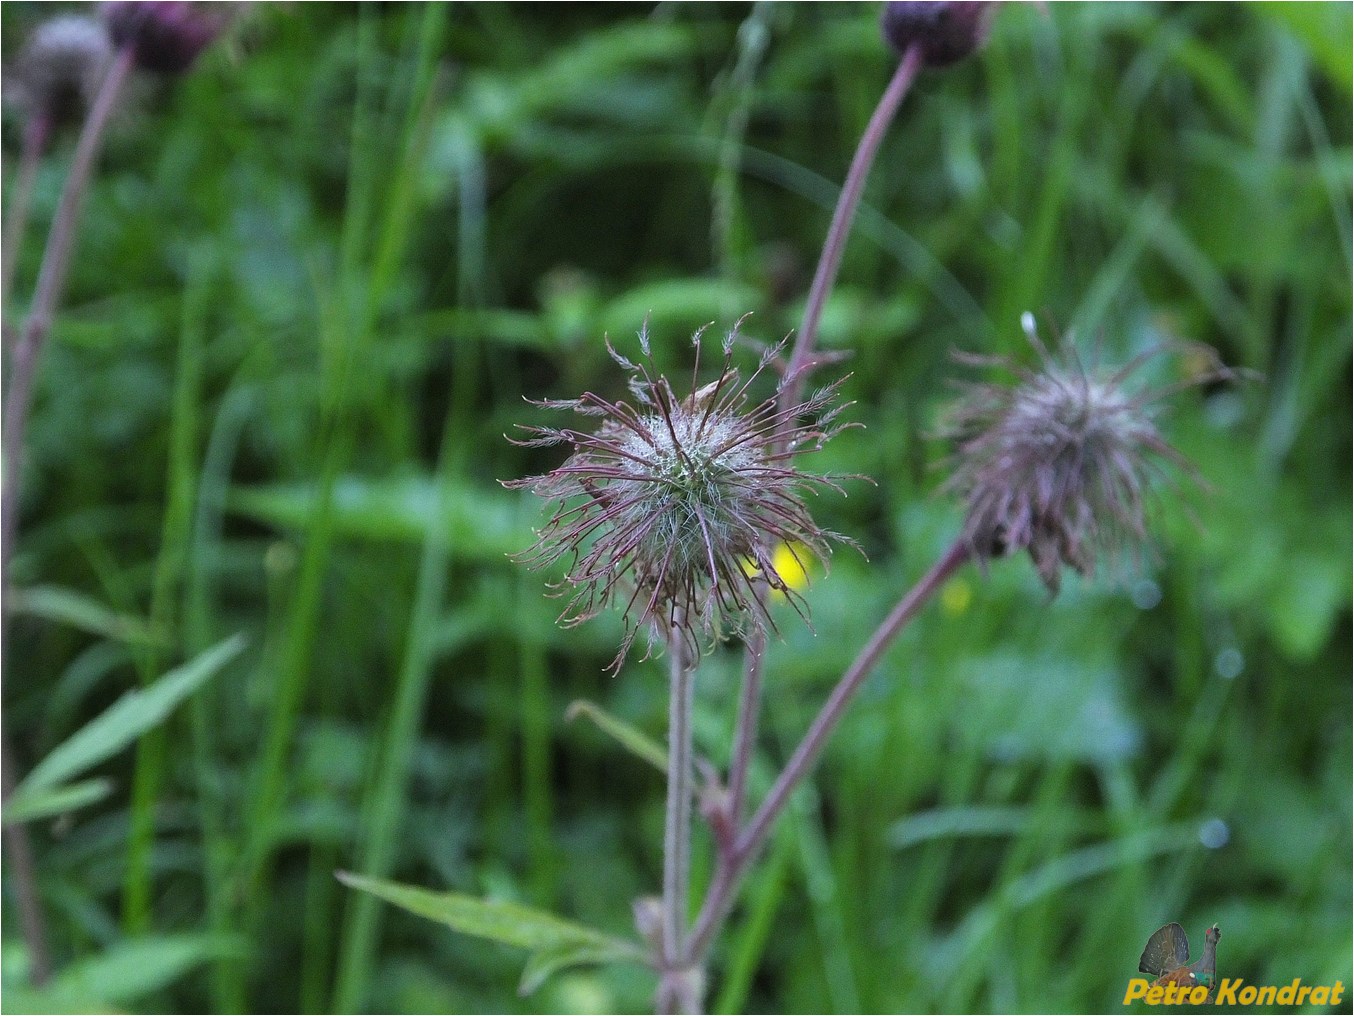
(1060, 464)
(60, 67)
(674, 507)
(166, 35)
(945, 32)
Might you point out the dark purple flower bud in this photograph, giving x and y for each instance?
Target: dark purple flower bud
(166, 35)
(1059, 464)
(674, 507)
(945, 32)
(59, 69)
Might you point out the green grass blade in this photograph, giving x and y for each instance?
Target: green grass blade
(56, 800)
(127, 719)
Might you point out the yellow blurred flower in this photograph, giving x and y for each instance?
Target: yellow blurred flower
(788, 560)
(955, 596)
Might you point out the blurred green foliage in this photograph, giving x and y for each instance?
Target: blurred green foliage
(315, 280)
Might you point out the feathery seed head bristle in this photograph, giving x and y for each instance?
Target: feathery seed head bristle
(674, 507)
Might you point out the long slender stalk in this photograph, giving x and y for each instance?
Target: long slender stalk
(750, 839)
(673, 996)
(51, 278)
(37, 133)
(181, 479)
(386, 807)
(733, 855)
(745, 727)
(834, 246)
(23, 369)
(24, 876)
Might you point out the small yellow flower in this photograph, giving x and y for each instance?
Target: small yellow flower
(788, 561)
(955, 596)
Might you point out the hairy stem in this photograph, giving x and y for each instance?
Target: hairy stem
(673, 996)
(801, 357)
(745, 727)
(23, 368)
(750, 839)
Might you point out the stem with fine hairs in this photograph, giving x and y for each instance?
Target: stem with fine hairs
(733, 862)
(677, 984)
(745, 727)
(735, 851)
(801, 357)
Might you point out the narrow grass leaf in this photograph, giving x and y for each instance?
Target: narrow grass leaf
(631, 739)
(66, 606)
(55, 801)
(125, 720)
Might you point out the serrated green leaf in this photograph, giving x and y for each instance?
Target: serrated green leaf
(57, 801)
(124, 721)
(66, 606)
(631, 739)
(509, 923)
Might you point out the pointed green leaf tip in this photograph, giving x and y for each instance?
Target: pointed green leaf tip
(554, 942)
(109, 732)
(633, 740)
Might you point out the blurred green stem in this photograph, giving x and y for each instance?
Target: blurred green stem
(182, 470)
(386, 807)
(37, 132)
(23, 369)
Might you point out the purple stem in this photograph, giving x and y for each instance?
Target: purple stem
(830, 260)
(732, 864)
(672, 992)
(22, 371)
(36, 135)
(745, 728)
(51, 277)
(745, 731)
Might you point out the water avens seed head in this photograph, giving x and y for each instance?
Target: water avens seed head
(1061, 463)
(674, 508)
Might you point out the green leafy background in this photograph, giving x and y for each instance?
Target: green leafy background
(316, 278)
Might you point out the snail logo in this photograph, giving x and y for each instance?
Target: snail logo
(1180, 982)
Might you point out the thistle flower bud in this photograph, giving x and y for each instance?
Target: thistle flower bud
(60, 67)
(1059, 464)
(166, 35)
(945, 32)
(673, 507)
